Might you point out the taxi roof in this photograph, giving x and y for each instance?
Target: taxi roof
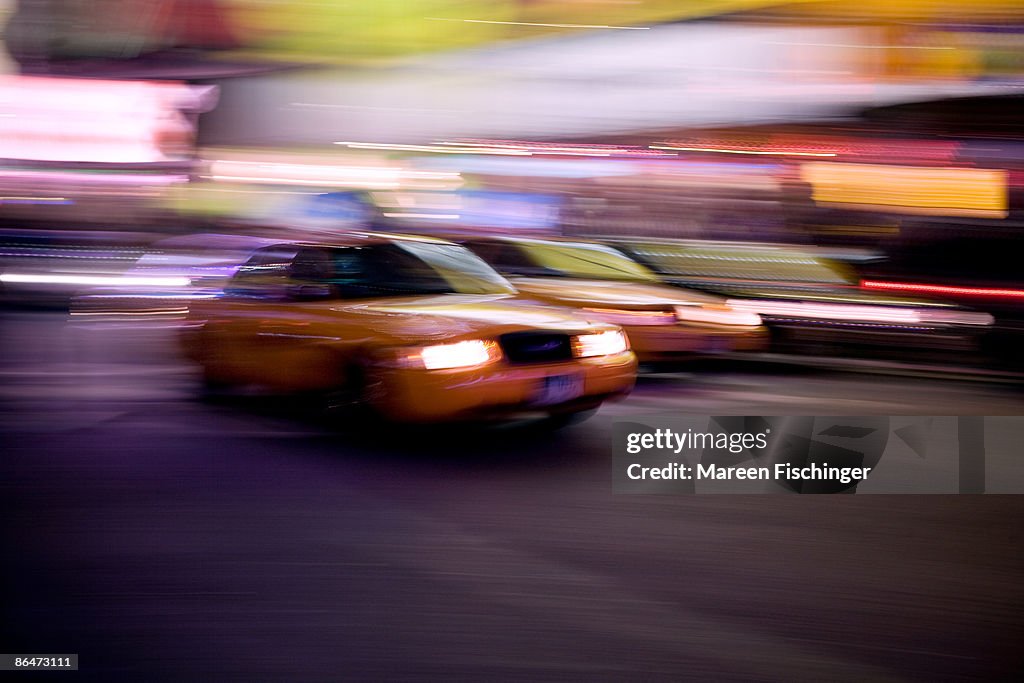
(361, 237)
(561, 241)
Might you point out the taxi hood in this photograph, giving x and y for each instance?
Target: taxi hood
(454, 316)
(610, 293)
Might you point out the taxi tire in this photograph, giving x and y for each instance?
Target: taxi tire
(352, 400)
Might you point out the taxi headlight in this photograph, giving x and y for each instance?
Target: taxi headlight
(601, 344)
(717, 315)
(462, 354)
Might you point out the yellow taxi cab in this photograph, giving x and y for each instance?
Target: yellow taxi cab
(662, 322)
(418, 329)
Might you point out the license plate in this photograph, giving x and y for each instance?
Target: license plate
(559, 389)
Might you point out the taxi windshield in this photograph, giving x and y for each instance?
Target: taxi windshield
(586, 261)
(464, 271)
(396, 268)
(759, 264)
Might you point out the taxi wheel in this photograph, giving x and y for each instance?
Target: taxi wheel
(344, 399)
(355, 397)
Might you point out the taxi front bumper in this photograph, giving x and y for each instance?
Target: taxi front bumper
(664, 342)
(418, 395)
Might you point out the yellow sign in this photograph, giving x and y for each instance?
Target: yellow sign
(909, 189)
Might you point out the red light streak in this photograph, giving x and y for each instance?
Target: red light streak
(943, 289)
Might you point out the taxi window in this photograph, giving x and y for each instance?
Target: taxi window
(312, 264)
(389, 270)
(360, 272)
(463, 270)
(586, 260)
(767, 265)
(370, 271)
(507, 258)
(264, 275)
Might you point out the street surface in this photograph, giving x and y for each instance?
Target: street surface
(166, 538)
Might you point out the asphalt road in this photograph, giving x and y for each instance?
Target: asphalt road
(163, 538)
